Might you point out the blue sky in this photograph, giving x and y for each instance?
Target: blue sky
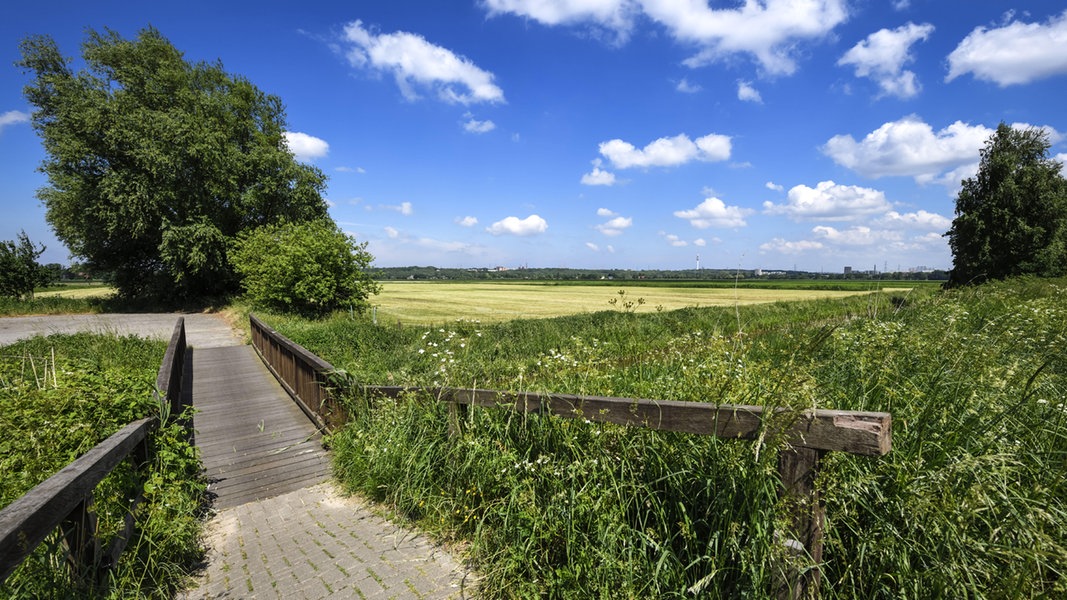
(772, 134)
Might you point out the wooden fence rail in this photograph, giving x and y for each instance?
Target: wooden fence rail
(65, 499)
(808, 434)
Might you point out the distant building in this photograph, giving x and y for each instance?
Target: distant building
(848, 270)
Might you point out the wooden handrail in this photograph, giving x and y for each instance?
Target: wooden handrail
(66, 497)
(808, 434)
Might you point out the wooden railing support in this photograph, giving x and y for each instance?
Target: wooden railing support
(802, 541)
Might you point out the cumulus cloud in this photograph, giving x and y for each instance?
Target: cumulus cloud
(674, 240)
(392, 233)
(531, 225)
(920, 219)
(473, 125)
(606, 212)
(1016, 53)
(592, 246)
(415, 62)
(882, 57)
(667, 152)
(360, 170)
(13, 117)
(782, 246)
(615, 226)
(713, 212)
(770, 185)
(404, 208)
(304, 147)
(767, 30)
(859, 235)
(598, 176)
(687, 88)
(829, 201)
(700, 242)
(747, 93)
(467, 221)
(910, 147)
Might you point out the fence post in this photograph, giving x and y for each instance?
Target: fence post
(801, 575)
(79, 534)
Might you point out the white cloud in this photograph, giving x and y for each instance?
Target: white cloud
(13, 117)
(598, 176)
(747, 93)
(392, 233)
(916, 220)
(475, 126)
(830, 202)
(615, 16)
(674, 240)
(305, 147)
(592, 246)
(700, 242)
(615, 226)
(782, 246)
(770, 185)
(413, 61)
(859, 235)
(901, 5)
(606, 212)
(687, 88)
(404, 208)
(1013, 54)
(360, 170)
(1062, 158)
(667, 152)
(882, 57)
(713, 212)
(769, 30)
(910, 147)
(531, 225)
(467, 221)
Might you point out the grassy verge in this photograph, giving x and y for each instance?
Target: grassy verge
(972, 501)
(59, 397)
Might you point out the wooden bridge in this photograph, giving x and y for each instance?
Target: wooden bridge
(283, 531)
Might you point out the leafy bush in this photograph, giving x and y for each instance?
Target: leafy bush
(60, 396)
(309, 268)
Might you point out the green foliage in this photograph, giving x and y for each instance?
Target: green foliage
(971, 502)
(1011, 218)
(60, 396)
(19, 271)
(310, 268)
(154, 162)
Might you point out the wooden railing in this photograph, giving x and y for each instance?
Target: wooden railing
(303, 375)
(65, 500)
(808, 434)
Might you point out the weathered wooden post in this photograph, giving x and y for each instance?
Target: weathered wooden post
(802, 541)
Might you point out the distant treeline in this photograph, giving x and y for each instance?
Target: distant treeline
(559, 274)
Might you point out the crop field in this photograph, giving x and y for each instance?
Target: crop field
(77, 290)
(437, 302)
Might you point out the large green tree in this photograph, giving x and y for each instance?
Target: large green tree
(155, 164)
(1011, 218)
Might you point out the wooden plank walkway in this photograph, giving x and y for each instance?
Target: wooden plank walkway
(254, 440)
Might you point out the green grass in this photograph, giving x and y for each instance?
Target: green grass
(60, 396)
(972, 501)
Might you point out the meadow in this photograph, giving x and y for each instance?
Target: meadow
(971, 502)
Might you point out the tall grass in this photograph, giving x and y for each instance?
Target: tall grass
(972, 502)
(60, 396)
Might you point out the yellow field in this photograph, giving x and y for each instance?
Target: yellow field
(437, 302)
(79, 291)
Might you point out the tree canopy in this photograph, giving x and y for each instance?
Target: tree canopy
(1011, 218)
(155, 164)
(20, 272)
(309, 268)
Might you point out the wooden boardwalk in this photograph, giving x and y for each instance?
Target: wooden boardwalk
(255, 442)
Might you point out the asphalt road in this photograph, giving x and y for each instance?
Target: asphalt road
(201, 330)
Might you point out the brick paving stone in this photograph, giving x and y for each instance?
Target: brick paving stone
(317, 543)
